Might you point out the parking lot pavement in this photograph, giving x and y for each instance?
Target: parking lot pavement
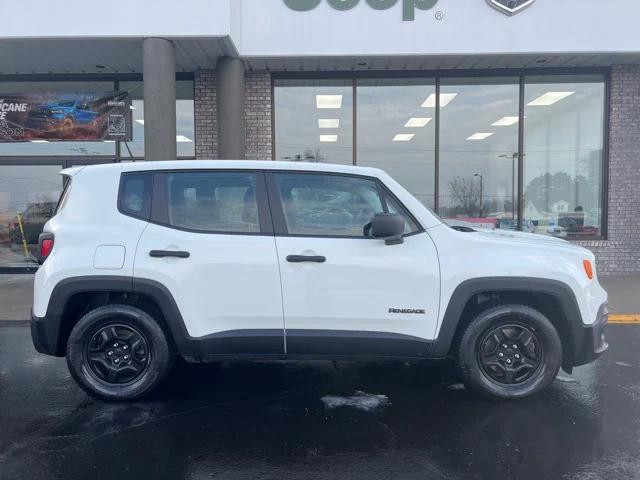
(284, 420)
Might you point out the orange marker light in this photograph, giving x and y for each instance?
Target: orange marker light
(588, 269)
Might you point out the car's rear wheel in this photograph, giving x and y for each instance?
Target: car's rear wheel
(118, 352)
(509, 351)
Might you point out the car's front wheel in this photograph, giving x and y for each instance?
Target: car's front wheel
(118, 352)
(509, 351)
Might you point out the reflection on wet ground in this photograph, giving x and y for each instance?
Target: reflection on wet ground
(304, 420)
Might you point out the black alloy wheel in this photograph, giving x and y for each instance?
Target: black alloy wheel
(117, 354)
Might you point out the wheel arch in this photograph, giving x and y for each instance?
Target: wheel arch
(554, 299)
(73, 297)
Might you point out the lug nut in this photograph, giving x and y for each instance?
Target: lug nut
(515, 347)
(109, 353)
(508, 361)
(115, 345)
(501, 354)
(517, 356)
(125, 347)
(126, 357)
(117, 360)
(504, 345)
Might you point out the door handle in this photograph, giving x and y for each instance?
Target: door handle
(306, 258)
(168, 253)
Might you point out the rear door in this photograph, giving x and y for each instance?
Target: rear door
(211, 245)
(345, 293)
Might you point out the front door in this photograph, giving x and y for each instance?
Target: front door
(211, 245)
(345, 293)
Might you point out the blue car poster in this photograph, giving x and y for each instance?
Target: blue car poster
(63, 117)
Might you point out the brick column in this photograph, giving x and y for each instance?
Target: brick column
(258, 115)
(620, 253)
(206, 117)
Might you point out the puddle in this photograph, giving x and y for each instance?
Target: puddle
(360, 400)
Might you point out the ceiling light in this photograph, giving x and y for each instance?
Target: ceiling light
(329, 122)
(506, 122)
(480, 136)
(417, 122)
(404, 137)
(328, 138)
(183, 139)
(445, 99)
(329, 101)
(141, 122)
(549, 98)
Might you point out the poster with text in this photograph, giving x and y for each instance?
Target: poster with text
(75, 117)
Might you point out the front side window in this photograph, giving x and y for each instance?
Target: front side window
(214, 202)
(330, 205)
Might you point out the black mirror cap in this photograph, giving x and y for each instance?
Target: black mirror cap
(389, 226)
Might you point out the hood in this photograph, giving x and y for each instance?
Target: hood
(525, 238)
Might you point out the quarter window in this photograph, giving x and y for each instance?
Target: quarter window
(135, 195)
(329, 205)
(215, 202)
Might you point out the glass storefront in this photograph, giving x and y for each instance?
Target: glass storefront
(28, 196)
(509, 152)
(396, 131)
(30, 181)
(314, 121)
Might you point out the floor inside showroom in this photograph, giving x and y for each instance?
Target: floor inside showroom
(307, 420)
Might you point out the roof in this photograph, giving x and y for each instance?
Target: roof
(227, 165)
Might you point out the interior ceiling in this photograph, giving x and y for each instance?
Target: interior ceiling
(124, 55)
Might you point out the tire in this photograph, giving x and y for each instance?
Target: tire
(118, 353)
(527, 366)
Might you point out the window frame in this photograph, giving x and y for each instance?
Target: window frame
(279, 217)
(438, 75)
(160, 201)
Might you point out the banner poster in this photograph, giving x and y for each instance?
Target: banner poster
(75, 117)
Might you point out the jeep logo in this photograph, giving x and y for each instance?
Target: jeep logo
(408, 6)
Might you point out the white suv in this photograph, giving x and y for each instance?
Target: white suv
(213, 260)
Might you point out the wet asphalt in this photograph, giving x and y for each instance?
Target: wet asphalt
(245, 420)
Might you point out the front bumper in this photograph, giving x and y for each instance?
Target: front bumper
(45, 334)
(591, 342)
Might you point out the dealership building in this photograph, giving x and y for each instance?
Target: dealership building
(511, 114)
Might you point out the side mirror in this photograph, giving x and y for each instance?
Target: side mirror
(389, 226)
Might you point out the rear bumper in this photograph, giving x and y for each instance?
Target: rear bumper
(590, 339)
(45, 334)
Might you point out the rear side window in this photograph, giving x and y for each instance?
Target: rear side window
(213, 202)
(135, 195)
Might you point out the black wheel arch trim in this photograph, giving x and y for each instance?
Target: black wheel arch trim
(580, 333)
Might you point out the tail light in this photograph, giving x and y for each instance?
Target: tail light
(45, 246)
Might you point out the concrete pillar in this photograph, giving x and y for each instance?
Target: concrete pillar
(159, 76)
(231, 123)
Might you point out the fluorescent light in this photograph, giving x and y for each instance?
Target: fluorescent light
(183, 139)
(549, 98)
(38, 141)
(417, 122)
(328, 138)
(480, 136)
(329, 122)
(329, 101)
(445, 99)
(404, 137)
(141, 122)
(506, 122)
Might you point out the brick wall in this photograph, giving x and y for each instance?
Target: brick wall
(257, 115)
(206, 117)
(620, 253)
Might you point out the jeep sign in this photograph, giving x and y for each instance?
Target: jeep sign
(408, 6)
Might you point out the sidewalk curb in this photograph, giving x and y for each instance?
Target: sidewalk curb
(630, 318)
